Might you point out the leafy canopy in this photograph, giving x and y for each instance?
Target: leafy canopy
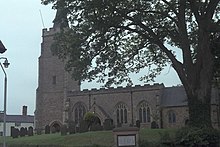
(112, 38)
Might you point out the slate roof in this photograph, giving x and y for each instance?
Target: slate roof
(17, 118)
(176, 96)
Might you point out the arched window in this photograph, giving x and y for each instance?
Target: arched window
(79, 112)
(171, 117)
(122, 116)
(144, 113)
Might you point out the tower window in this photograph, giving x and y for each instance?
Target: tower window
(54, 80)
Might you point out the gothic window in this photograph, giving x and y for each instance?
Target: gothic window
(171, 117)
(79, 112)
(144, 113)
(122, 116)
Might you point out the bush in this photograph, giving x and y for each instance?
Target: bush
(192, 136)
(143, 143)
(63, 130)
(166, 139)
(89, 117)
(47, 129)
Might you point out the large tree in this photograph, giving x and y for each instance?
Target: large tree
(113, 38)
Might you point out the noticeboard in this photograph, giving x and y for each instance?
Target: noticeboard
(126, 140)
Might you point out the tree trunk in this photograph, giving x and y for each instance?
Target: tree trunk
(199, 113)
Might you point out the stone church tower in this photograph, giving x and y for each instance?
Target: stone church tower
(53, 82)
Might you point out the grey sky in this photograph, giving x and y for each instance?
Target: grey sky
(20, 31)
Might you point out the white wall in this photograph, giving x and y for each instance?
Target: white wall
(9, 125)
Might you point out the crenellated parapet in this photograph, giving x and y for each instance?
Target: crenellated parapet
(120, 89)
(50, 31)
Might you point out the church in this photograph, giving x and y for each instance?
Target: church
(59, 98)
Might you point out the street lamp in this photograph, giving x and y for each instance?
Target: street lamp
(6, 64)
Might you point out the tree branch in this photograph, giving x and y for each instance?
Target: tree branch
(185, 45)
(211, 8)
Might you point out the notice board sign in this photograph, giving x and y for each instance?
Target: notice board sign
(126, 140)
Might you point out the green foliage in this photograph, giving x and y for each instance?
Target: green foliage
(192, 137)
(122, 36)
(89, 117)
(143, 143)
(166, 139)
(109, 39)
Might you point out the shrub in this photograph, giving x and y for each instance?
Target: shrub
(165, 139)
(71, 127)
(89, 118)
(193, 136)
(143, 143)
(63, 130)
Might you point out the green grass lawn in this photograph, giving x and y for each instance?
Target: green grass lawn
(101, 138)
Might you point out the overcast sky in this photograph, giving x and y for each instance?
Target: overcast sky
(20, 31)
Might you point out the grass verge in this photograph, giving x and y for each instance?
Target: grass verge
(101, 138)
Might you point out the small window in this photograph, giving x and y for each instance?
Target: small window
(54, 80)
(172, 117)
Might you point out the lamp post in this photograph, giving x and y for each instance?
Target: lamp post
(6, 64)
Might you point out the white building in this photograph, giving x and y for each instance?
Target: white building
(17, 121)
